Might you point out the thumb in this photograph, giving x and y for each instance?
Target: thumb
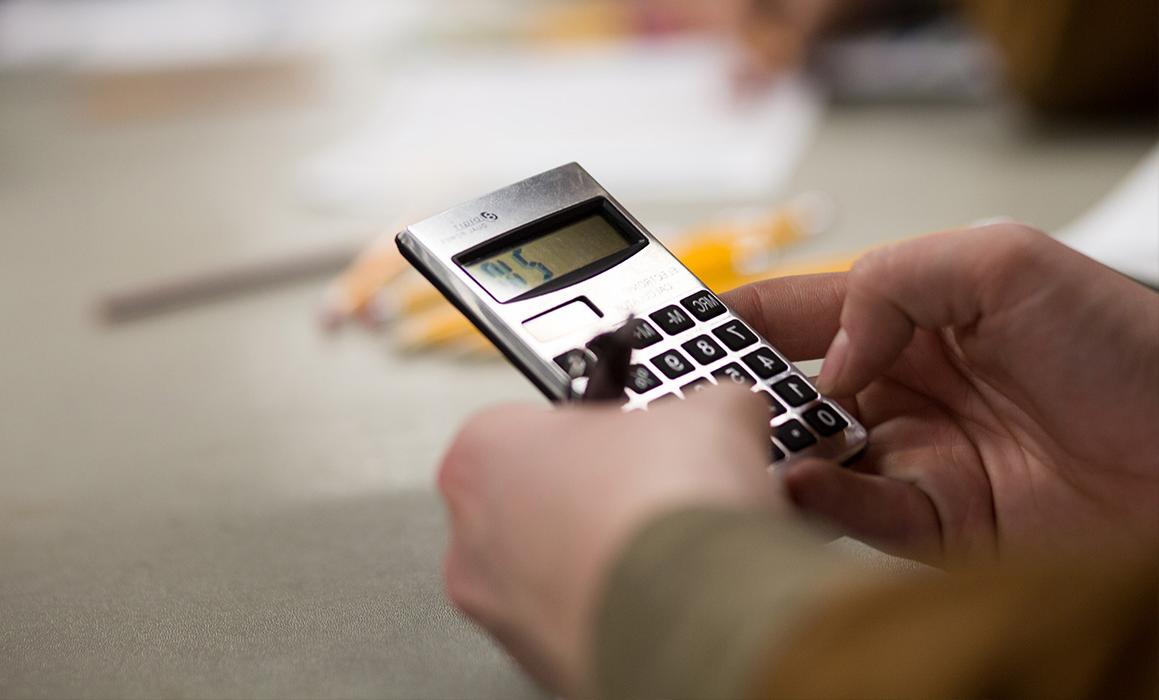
(953, 279)
(894, 516)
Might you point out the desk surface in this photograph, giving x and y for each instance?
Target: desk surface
(221, 502)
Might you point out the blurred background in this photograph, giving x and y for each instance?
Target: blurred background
(222, 395)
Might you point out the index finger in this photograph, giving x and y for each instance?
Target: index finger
(798, 314)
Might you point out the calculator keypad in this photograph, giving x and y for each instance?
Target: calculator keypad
(703, 305)
(672, 364)
(795, 391)
(735, 334)
(825, 420)
(765, 363)
(794, 436)
(695, 386)
(672, 319)
(733, 373)
(643, 334)
(574, 362)
(699, 344)
(641, 380)
(704, 349)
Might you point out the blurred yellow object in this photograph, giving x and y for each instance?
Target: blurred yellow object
(375, 267)
(581, 21)
(378, 287)
(747, 243)
(445, 328)
(436, 326)
(374, 290)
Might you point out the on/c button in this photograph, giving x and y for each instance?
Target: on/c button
(562, 320)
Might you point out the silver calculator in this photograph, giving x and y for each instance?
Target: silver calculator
(543, 266)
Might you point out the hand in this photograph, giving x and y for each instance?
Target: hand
(1010, 386)
(540, 501)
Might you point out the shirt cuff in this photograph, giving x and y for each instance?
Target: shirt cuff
(700, 598)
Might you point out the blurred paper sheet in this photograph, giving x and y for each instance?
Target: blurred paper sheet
(654, 122)
(1122, 231)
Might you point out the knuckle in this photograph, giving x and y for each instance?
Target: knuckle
(1022, 243)
(1012, 249)
(868, 269)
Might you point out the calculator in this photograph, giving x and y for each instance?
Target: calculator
(543, 266)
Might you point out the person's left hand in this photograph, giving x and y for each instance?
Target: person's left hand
(541, 500)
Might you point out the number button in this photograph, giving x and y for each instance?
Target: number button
(765, 363)
(643, 333)
(825, 420)
(795, 391)
(574, 362)
(641, 380)
(704, 350)
(672, 319)
(703, 305)
(735, 335)
(775, 407)
(695, 386)
(732, 372)
(672, 364)
(794, 436)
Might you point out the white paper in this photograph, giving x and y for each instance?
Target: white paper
(651, 122)
(1122, 231)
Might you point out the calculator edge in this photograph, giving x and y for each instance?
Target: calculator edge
(513, 348)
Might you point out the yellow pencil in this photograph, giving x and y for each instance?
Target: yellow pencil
(445, 327)
(376, 266)
(735, 246)
(432, 327)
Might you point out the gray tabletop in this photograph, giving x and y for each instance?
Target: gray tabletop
(223, 502)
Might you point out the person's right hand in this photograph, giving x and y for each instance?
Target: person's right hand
(1010, 386)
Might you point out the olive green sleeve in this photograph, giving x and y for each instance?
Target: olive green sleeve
(719, 604)
(699, 599)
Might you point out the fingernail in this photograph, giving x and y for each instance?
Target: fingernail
(834, 362)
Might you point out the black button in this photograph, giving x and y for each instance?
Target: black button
(672, 364)
(732, 372)
(643, 333)
(574, 362)
(775, 406)
(765, 363)
(704, 349)
(703, 305)
(795, 391)
(735, 335)
(794, 436)
(775, 452)
(641, 379)
(695, 386)
(672, 319)
(825, 420)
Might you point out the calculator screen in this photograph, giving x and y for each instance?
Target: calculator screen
(531, 263)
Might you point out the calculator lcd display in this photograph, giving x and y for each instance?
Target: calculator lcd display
(532, 263)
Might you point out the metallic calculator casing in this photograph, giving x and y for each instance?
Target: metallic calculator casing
(648, 280)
